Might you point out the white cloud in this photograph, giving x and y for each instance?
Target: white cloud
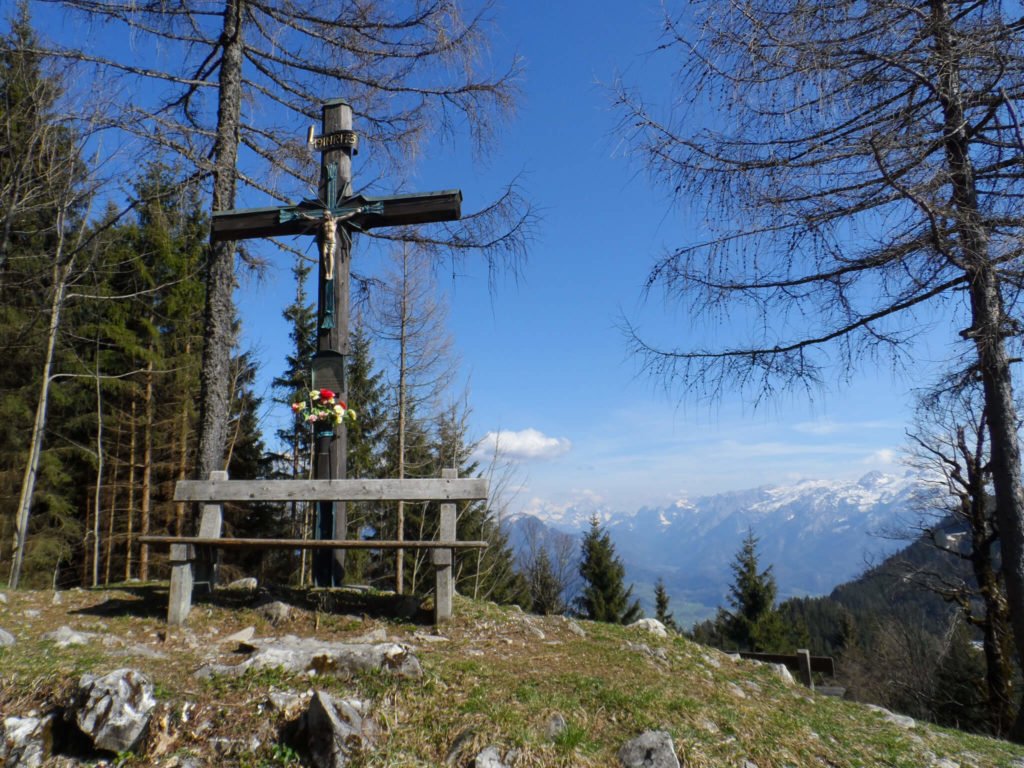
(524, 445)
(881, 456)
(829, 427)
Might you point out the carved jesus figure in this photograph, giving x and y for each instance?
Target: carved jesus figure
(328, 243)
(329, 236)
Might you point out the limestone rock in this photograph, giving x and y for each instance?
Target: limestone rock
(556, 726)
(655, 653)
(65, 636)
(297, 654)
(335, 729)
(784, 674)
(6, 638)
(903, 721)
(25, 742)
(736, 691)
(653, 749)
(378, 635)
(276, 611)
(489, 758)
(113, 710)
(653, 626)
(287, 703)
(424, 637)
(575, 628)
(241, 636)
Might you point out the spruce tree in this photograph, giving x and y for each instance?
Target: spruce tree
(366, 395)
(366, 448)
(604, 596)
(545, 588)
(661, 601)
(754, 624)
(301, 316)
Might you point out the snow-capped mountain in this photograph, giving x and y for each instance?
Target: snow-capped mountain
(815, 534)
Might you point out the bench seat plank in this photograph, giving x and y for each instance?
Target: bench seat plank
(311, 543)
(426, 489)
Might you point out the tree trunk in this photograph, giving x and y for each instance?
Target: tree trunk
(146, 502)
(130, 511)
(988, 330)
(28, 482)
(402, 349)
(218, 338)
(112, 492)
(98, 499)
(179, 506)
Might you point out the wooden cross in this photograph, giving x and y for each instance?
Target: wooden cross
(332, 217)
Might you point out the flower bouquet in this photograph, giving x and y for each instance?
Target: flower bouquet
(322, 409)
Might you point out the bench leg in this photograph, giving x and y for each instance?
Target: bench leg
(444, 583)
(180, 600)
(805, 667)
(210, 524)
(443, 587)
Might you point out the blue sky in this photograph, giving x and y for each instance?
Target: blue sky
(543, 358)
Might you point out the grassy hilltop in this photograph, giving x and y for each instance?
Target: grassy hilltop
(492, 677)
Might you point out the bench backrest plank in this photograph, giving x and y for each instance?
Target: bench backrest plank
(824, 664)
(428, 489)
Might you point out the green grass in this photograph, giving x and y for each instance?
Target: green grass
(493, 682)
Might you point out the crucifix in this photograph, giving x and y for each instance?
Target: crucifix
(332, 217)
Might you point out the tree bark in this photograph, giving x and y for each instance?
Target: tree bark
(220, 274)
(28, 482)
(988, 329)
(130, 511)
(146, 502)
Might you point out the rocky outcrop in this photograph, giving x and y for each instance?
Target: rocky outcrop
(653, 749)
(113, 710)
(335, 729)
(25, 742)
(653, 626)
(65, 636)
(489, 758)
(300, 654)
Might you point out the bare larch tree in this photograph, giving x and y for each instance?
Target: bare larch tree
(861, 165)
(949, 446)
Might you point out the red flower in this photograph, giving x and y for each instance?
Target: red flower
(326, 394)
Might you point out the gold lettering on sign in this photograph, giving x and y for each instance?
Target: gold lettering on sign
(337, 140)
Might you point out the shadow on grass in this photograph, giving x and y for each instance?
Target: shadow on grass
(150, 601)
(147, 601)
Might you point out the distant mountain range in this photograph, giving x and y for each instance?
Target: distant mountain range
(815, 534)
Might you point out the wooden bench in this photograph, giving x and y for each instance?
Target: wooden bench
(800, 662)
(189, 552)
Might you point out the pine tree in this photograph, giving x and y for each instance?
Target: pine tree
(661, 601)
(604, 596)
